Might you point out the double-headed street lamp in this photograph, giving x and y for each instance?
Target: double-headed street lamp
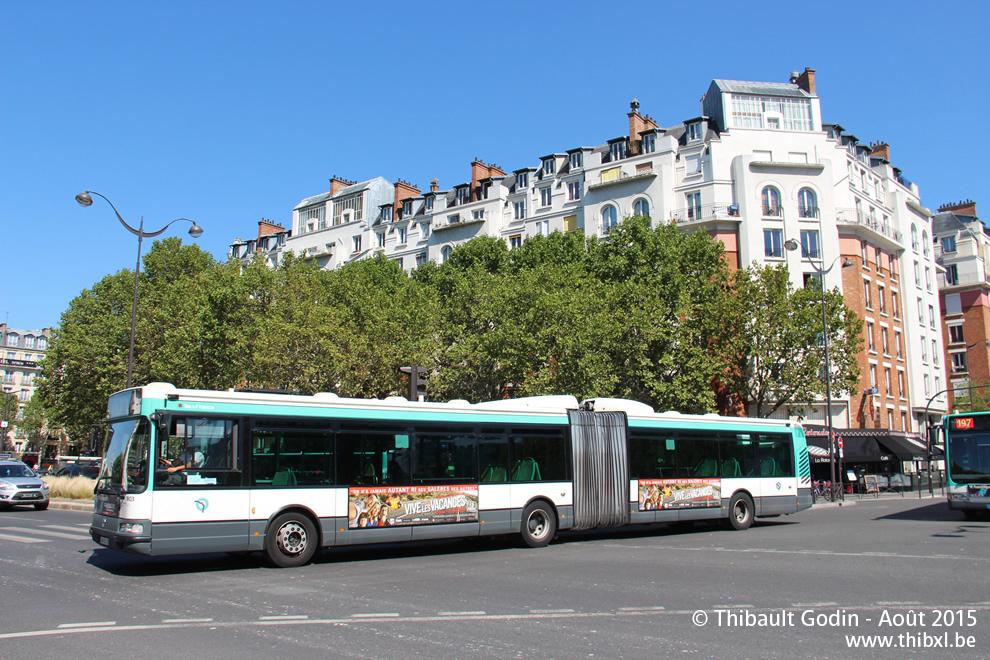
(792, 245)
(195, 231)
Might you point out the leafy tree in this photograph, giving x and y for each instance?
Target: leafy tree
(8, 409)
(781, 355)
(668, 296)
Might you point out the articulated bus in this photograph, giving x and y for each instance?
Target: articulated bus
(967, 462)
(188, 471)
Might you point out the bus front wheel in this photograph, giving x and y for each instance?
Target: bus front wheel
(539, 525)
(291, 540)
(740, 511)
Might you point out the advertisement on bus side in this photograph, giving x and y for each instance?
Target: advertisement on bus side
(411, 505)
(695, 493)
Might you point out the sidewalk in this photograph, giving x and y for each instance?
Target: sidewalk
(852, 499)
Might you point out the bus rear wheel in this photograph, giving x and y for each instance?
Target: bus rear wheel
(740, 511)
(291, 540)
(539, 525)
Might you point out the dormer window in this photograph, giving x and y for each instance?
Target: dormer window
(429, 203)
(485, 187)
(694, 131)
(522, 180)
(576, 160)
(649, 143)
(406, 208)
(549, 166)
(463, 195)
(617, 150)
(387, 213)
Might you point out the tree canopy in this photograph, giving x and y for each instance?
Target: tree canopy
(648, 313)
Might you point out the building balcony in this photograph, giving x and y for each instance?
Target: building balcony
(705, 213)
(859, 219)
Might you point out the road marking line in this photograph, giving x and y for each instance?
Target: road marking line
(66, 528)
(375, 615)
(897, 603)
(642, 609)
(22, 539)
(552, 611)
(478, 613)
(284, 617)
(814, 604)
(92, 624)
(826, 553)
(187, 620)
(60, 535)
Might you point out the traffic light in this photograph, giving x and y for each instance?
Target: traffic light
(417, 382)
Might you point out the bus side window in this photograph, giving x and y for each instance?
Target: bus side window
(776, 456)
(697, 455)
(539, 455)
(738, 452)
(493, 457)
(652, 456)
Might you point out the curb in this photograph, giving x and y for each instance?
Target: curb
(72, 505)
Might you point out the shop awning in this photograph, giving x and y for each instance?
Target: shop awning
(905, 447)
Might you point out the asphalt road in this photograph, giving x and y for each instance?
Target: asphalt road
(811, 585)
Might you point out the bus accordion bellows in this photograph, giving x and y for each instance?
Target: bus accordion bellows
(967, 462)
(190, 471)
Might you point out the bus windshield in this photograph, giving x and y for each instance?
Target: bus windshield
(125, 463)
(969, 457)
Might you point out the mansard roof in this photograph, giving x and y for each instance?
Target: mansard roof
(761, 88)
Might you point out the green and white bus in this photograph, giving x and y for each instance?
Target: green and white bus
(189, 471)
(967, 462)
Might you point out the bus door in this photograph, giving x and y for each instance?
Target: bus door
(198, 503)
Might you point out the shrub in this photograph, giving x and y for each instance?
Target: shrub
(73, 488)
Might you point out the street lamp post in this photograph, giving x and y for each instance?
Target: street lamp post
(195, 231)
(792, 245)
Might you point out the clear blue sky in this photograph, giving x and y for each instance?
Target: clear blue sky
(228, 112)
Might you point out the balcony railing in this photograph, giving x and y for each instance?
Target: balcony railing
(807, 211)
(772, 211)
(705, 212)
(861, 219)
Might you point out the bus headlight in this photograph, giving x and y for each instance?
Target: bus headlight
(959, 497)
(131, 528)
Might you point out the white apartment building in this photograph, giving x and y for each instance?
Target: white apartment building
(22, 350)
(758, 167)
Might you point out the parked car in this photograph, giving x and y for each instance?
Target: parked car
(19, 485)
(78, 470)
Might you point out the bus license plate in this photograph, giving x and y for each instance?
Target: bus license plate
(102, 540)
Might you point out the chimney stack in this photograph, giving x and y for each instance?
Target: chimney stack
(434, 185)
(267, 228)
(880, 150)
(965, 207)
(806, 81)
(403, 189)
(337, 184)
(637, 124)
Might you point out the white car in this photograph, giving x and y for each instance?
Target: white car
(20, 485)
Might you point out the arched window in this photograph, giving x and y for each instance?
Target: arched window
(609, 219)
(771, 202)
(445, 254)
(807, 204)
(642, 207)
(925, 245)
(914, 237)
